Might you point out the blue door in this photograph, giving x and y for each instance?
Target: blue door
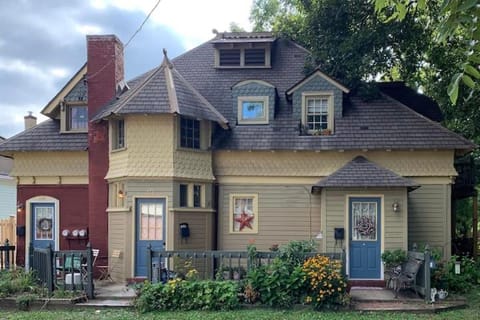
(150, 229)
(43, 225)
(365, 238)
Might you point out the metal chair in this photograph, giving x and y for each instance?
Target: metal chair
(95, 253)
(106, 271)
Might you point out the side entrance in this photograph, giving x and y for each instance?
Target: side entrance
(364, 237)
(149, 230)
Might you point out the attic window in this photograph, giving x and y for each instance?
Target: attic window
(317, 112)
(243, 57)
(253, 110)
(77, 118)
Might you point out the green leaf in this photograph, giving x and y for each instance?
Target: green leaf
(467, 5)
(472, 71)
(474, 58)
(468, 81)
(453, 88)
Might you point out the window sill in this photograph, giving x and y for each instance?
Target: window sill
(118, 150)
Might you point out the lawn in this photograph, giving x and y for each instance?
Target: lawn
(472, 312)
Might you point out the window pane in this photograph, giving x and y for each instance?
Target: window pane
(151, 221)
(78, 117)
(244, 217)
(197, 196)
(317, 113)
(254, 57)
(364, 221)
(183, 195)
(190, 133)
(229, 57)
(44, 223)
(253, 110)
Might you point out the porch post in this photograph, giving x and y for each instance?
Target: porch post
(149, 262)
(475, 224)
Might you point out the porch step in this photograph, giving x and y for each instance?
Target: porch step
(367, 283)
(107, 303)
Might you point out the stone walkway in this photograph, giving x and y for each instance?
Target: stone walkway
(110, 294)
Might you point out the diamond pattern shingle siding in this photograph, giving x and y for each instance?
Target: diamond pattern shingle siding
(362, 173)
(45, 136)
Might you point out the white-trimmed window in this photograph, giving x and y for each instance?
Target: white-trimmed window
(243, 214)
(317, 111)
(253, 110)
(118, 134)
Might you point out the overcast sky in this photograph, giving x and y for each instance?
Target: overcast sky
(42, 42)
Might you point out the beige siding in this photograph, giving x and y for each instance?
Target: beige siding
(51, 164)
(429, 219)
(321, 164)
(119, 235)
(393, 224)
(286, 213)
(201, 230)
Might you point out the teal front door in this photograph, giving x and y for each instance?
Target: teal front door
(150, 230)
(43, 225)
(365, 238)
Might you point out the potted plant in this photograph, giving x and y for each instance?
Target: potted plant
(393, 260)
(238, 272)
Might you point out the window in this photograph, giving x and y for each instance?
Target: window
(254, 57)
(77, 118)
(318, 112)
(184, 195)
(197, 195)
(191, 195)
(229, 57)
(243, 57)
(252, 110)
(244, 213)
(189, 133)
(118, 134)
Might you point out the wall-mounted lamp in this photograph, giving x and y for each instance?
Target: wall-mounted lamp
(121, 194)
(457, 267)
(319, 235)
(19, 207)
(396, 206)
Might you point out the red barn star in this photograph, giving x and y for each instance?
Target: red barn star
(245, 220)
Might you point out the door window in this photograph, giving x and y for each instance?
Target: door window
(364, 221)
(44, 223)
(151, 221)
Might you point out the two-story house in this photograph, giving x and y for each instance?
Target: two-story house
(228, 143)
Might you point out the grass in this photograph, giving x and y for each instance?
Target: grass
(471, 312)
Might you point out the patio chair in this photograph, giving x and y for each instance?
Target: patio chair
(106, 271)
(95, 253)
(70, 264)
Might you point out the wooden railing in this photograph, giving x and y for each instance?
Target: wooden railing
(70, 270)
(163, 265)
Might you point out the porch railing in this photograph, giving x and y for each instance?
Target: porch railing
(68, 270)
(7, 256)
(163, 265)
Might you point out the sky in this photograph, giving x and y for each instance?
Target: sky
(43, 43)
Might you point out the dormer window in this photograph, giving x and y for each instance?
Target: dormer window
(253, 110)
(77, 118)
(317, 111)
(243, 56)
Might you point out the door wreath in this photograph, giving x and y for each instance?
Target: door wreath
(365, 226)
(45, 224)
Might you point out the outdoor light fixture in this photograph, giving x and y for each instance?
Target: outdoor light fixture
(395, 206)
(457, 267)
(121, 194)
(19, 206)
(319, 235)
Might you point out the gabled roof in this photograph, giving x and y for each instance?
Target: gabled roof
(45, 136)
(51, 108)
(362, 173)
(163, 90)
(317, 73)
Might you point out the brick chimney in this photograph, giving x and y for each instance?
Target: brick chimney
(104, 74)
(30, 120)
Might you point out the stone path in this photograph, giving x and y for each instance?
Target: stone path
(110, 294)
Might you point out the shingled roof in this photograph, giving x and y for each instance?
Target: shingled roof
(362, 173)
(45, 136)
(163, 91)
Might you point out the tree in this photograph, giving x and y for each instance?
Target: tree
(347, 39)
(455, 20)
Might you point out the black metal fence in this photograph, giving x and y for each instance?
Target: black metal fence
(68, 270)
(7, 256)
(164, 265)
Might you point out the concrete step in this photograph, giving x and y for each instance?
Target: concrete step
(107, 303)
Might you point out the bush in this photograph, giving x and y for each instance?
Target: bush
(17, 282)
(326, 284)
(394, 258)
(275, 285)
(445, 278)
(180, 294)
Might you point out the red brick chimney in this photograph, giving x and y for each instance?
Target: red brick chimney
(104, 73)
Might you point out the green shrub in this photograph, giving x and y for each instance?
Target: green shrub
(180, 294)
(275, 285)
(294, 252)
(326, 284)
(394, 258)
(445, 278)
(17, 282)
